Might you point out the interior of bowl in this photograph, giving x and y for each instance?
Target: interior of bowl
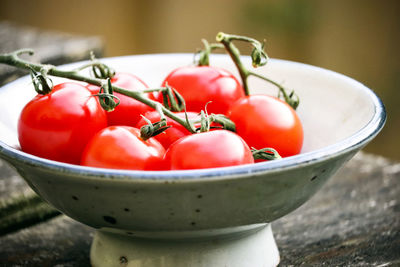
(334, 109)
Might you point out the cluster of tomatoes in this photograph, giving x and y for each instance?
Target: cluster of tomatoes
(69, 125)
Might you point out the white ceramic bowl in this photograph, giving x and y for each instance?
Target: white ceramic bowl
(339, 115)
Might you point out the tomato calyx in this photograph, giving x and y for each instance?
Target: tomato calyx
(265, 154)
(172, 99)
(206, 122)
(107, 99)
(152, 129)
(41, 82)
(292, 98)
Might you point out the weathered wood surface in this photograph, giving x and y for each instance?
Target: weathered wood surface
(354, 220)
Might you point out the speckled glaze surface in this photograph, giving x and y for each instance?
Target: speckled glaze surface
(137, 206)
(339, 116)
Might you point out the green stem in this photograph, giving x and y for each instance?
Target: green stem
(13, 59)
(172, 100)
(89, 65)
(235, 55)
(204, 55)
(280, 87)
(259, 58)
(292, 99)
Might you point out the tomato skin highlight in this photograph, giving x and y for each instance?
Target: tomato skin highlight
(264, 121)
(58, 125)
(120, 147)
(208, 150)
(175, 132)
(201, 84)
(129, 110)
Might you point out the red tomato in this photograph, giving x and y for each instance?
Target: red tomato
(175, 132)
(120, 147)
(129, 110)
(201, 84)
(208, 150)
(265, 121)
(58, 125)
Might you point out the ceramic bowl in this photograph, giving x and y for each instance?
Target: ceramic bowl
(339, 116)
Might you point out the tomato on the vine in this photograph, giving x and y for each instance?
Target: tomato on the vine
(200, 85)
(129, 110)
(58, 125)
(120, 147)
(265, 121)
(208, 150)
(175, 132)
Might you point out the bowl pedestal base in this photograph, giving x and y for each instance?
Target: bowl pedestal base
(255, 247)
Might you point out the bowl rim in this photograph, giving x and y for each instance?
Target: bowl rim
(348, 144)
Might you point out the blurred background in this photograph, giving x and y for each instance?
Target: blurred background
(358, 38)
